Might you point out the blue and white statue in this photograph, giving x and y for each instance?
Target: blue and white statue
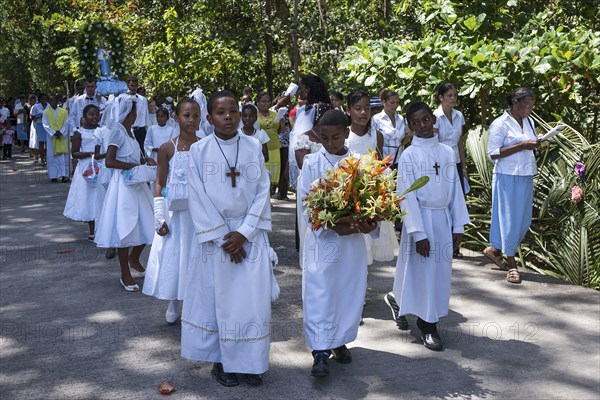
(104, 56)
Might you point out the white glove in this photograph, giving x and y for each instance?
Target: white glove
(159, 212)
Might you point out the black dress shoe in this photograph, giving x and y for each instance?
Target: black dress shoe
(224, 378)
(320, 366)
(432, 341)
(402, 323)
(111, 254)
(342, 354)
(253, 379)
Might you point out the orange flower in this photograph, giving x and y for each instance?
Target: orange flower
(387, 159)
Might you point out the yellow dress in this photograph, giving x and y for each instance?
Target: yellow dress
(269, 125)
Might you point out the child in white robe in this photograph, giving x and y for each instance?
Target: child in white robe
(168, 261)
(434, 213)
(334, 278)
(227, 303)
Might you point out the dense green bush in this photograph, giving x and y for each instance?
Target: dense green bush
(561, 65)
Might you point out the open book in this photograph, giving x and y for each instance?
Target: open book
(553, 132)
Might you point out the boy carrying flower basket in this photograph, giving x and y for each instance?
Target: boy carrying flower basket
(344, 197)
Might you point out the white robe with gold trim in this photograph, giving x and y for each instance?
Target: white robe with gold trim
(227, 306)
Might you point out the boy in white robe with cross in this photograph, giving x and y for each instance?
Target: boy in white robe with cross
(227, 304)
(434, 213)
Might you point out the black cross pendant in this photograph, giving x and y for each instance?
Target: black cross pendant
(232, 174)
(436, 166)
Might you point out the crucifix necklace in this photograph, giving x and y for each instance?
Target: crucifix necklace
(436, 166)
(232, 172)
(329, 161)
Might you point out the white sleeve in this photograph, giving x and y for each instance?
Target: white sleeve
(115, 138)
(148, 143)
(407, 175)
(46, 124)
(496, 138)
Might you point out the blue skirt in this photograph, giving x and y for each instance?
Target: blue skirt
(40, 132)
(21, 132)
(512, 205)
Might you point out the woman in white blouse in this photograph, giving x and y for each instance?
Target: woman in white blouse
(391, 125)
(449, 127)
(511, 142)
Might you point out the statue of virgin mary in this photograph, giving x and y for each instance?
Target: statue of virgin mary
(103, 55)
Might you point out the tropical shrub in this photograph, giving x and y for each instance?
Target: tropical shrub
(560, 63)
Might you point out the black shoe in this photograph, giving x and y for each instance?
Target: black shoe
(64, 179)
(432, 341)
(320, 366)
(253, 379)
(224, 378)
(54, 180)
(111, 254)
(342, 354)
(401, 321)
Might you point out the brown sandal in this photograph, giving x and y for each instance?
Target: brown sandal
(496, 259)
(513, 276)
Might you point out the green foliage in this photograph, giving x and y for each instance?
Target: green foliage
(561, 64)
(564, 237)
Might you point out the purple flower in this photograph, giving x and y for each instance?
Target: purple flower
(580, 169)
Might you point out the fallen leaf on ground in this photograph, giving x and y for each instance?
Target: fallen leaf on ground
(166, 387)
(63, 251)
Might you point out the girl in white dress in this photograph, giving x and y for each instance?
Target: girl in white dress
(81, 201)
(159, 133)
(249, 118)
(126, 217)
(364, 138)
(167, 265)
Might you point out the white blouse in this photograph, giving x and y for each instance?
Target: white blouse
(449, 133)
(392, 137)
(505, 131)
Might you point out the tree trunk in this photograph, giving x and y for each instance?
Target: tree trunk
(269, 50)
(387, 9)
(295, 50)
(323, 26)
